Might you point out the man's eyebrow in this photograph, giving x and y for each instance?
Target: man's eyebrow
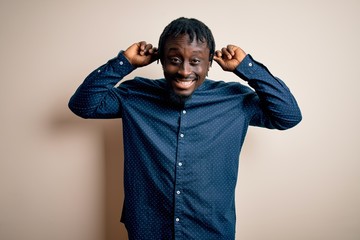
(176, 48)
(173, 49)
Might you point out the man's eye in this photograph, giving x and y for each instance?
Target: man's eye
(195, 61)
(175, 60)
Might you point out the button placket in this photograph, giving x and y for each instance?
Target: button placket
(179, 172)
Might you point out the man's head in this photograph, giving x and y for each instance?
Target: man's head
(186, 49)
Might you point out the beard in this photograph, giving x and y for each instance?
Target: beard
(176, 99)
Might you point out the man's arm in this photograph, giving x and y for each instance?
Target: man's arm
(96, 97)
(275, 106)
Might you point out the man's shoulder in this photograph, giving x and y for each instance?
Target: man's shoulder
(141, 82)
(234, 87)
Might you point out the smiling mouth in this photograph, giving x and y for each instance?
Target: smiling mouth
(184, 83)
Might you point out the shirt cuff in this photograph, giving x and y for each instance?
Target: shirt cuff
(246, 68)
(121, 64)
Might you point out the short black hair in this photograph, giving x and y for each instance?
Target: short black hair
(192, 27)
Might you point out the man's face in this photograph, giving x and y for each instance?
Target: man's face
(185, 64)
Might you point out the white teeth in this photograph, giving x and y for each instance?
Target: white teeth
(187, 83)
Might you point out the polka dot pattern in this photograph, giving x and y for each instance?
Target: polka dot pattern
(181, 160)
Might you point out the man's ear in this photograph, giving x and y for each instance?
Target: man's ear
(210, 63)
(161, 61)
(211, 58)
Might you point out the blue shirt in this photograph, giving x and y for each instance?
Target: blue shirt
(181, 160)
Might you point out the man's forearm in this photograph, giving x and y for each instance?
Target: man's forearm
(276, 100)
(92, 96)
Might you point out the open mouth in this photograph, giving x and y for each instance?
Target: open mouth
(184, 84)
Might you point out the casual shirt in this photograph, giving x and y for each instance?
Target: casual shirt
(181, 160)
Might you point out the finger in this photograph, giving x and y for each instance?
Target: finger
(154, 55)
(226, 53)
(153, 50)
(147, 47)
(218, 53)
(142, 47)
(218, 59)
(151, 53)
(231, 49)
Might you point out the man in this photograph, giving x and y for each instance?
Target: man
(183, 134)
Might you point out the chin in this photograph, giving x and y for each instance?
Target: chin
(183, 95)
(178, 98)
(184, 92)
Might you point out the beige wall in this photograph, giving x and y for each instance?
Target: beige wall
(60, 176)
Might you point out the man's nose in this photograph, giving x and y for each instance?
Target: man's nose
(184, 69)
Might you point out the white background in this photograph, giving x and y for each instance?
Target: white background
(60, 176)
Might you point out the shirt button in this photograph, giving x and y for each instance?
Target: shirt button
(184, 111)
(121, 62)
(177, 192)
(177, 219)
(180, 164)
(250, 64)
(99, 70)
(181, 135)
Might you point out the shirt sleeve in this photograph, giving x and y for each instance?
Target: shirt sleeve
(274, 105)
(97, 96)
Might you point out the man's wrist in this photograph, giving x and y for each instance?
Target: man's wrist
(121, 63)
(246, 68)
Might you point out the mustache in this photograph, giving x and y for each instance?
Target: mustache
(187, 77)
(190, 76)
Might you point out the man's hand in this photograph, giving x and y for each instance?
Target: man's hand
(141, 54)
(229, 57)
